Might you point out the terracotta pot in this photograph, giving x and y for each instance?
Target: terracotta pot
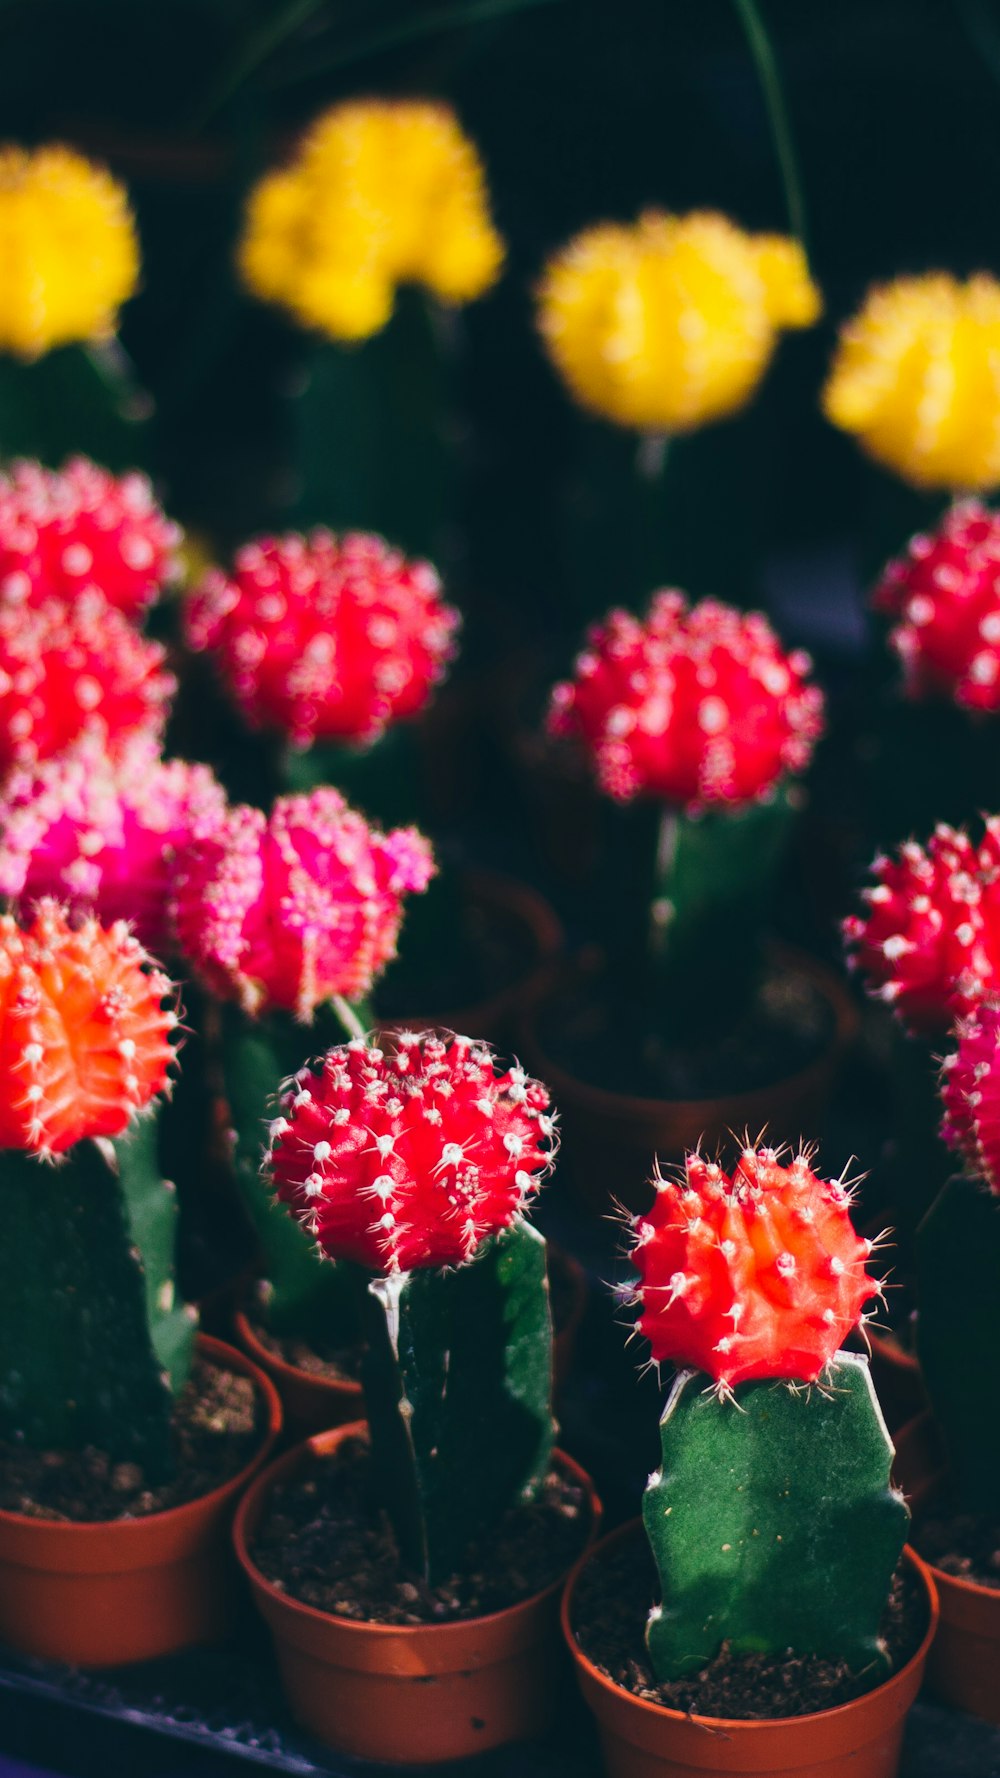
(520, 907)
(610, 1139)
(99, 1595)
(309, 1403)
(411, 1694)
(862, 1739)
(964, 1665)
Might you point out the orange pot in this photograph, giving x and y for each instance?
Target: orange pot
(609, 1140)
(964, 1665)
(862, 1739)
(99, 1595)
(309, 1403)
(411, 1694)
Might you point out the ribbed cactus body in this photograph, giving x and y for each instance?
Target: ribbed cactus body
(772, 1521)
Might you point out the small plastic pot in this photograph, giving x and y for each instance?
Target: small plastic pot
(964, 1665)
(415, 1694)
(101, 1595)
(609, 1140)
(862, 1739)
(309, 1403)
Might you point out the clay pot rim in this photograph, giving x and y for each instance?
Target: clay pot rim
(569, 1086)
(935, 1481)
(321, 1444)
(229, 1358)
(289, 1373)
(737, 1724)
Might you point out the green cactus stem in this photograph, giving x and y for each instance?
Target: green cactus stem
(458, 1388)
(958, 1289)
(93, 1343)
(772, 1521)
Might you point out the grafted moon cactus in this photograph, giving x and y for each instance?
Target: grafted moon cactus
(101, 834)
(79, 530)
(324, 638)
(68, 671)
(283, 912)
(929, 941)
(410, 1158)
(92, 1339)
(754, 1273)
(699, 706)
(970, 1093)
(944, 598)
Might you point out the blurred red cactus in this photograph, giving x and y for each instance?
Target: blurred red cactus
(945, 597)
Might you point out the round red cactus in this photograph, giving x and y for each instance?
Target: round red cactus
(324, 638)
(289, 910)
(929, 941)
(945, 597)
(413, 1158)
(698, 705)
(970, 1093)
(757, 1273)
(86, 1020)
(101, 834)
(80, 529)
(68, 671)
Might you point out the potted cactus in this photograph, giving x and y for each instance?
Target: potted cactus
(122, 1444)
(765, 1613)
(409, 1570)
(948, 1457)
(696, 722)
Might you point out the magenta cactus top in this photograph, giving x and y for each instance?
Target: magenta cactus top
(970, 1092)
(944, 596)
(407, 1159)
(698, 705)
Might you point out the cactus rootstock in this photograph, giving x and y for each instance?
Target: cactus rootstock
(695, 705)
(944, 598)
(86, 1026)
(281, 912)
(324, 638)
(750, 1274)
(410, 1157)
(928, 943)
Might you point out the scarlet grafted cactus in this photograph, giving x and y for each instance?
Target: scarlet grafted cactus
(416, 1167)
(928, 943)
(80, 530)
(324, 638)
(944, 599)
(748, 1281)
(101, 833)
(92, 1340)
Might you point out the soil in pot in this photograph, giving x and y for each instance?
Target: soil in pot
(323, 1543)
(328, 1360)
(219, 1422)
(961, 1544)
(610, 1604)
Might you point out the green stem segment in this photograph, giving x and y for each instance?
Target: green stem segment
(773, 1522)
(759, 44)
(458, 1389)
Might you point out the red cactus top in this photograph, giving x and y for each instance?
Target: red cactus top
(85, 1030)
(412, 1158)
(970, 1092)
(697, 705)
(757, 1273)
(944, 595)
(80, 529)
(101, 834)
(67, 671)
(928, 943)
(324, 638)
(285, 911)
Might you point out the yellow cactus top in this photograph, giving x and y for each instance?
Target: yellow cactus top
(916, 377)
(68, 250)
(671, 322)
(380, 193)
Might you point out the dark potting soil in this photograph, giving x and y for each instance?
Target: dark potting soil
(318, 1358)
(324, 1543)
(613, 1597)
(964, 1545)
(217, 1427)
(789, 1025)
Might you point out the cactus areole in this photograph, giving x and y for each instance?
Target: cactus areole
(944, 598)
(696, 706)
